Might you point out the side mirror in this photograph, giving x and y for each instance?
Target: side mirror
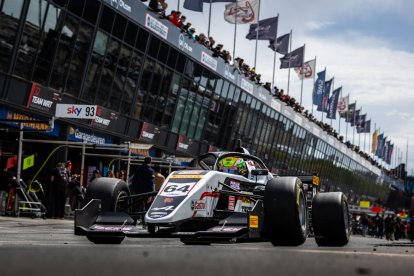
(260, 172)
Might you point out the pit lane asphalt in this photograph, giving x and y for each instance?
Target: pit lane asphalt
(48, 247)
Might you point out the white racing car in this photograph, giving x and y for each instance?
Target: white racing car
(233, 197)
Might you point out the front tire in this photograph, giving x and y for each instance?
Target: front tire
(285, 211)
(111, 192)
(330, 218)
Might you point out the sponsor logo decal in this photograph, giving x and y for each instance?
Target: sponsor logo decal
(224, 229)
(120, 4)
(228, 74)
(231, 204)
(178, 176)
(168, 200)
(198, 205)
(183, 45)
(110, 228)
(235, 185)
(253, 221)
(164, 208)
(192, 172)
(177, 189)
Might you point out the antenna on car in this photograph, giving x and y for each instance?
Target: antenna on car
(239, 147)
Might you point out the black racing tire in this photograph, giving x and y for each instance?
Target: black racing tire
(109, 191)
(285, 211)
(105, 240)
(330, 219)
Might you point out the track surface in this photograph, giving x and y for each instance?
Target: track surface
(48, 247)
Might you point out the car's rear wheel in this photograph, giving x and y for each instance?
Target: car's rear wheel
(285, 211)
(330, 219)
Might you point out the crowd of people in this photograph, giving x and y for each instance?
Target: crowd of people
(390, 227)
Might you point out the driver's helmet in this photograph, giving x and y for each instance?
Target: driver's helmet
(234, 165)
(242, 168)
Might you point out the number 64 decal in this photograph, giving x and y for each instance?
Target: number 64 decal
(177, 189)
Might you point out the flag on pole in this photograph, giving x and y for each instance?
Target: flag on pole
(325, 96)
(353, 119)
(385, 149)
(333, 103)
(267, 29)
(360, 123)
(350, 113)
(307, 71)
(374, 142)
(319, 88)
(366, 128)
(380, 146)
(293, 59)
(281, 44)
(343, 106)
(197, 5)
(389, 155)
(242, 12)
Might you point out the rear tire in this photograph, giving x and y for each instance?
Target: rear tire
(330, 218)
(285, 211)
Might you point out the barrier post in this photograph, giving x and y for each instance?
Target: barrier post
(82, 163)
(20, 153)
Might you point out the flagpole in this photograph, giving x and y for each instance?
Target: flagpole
(333, 89)
(323, 92)
(313, 94)
(257, 35)
(290, 50)
(274, 58)
(353, 129)
(346, 125)
(339, 119)
(369, 139)
(235, 32)
(209, 20)
(301, 87)
(178, 5)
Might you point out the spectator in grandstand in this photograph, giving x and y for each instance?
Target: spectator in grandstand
(201, 39)
(217, 50)
(185, 27)
(158, 6)
(237, 64)
(175, 19)
(267, 86)
(191, 33)
(226, 56)
(211, 42)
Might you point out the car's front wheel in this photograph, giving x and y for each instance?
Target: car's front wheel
(285, 211)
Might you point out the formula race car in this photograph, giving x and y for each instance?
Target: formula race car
(232, 198)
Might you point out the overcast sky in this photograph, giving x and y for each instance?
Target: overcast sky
(367, 45)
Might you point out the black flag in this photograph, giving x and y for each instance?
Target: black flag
(281, 45)
(293, 59)
(333, 104)
(267, 29)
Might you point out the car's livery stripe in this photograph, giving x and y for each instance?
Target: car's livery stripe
(207, 194)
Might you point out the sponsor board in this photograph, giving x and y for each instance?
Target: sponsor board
(75, 111)
(156, 26)
(209, 61)
(78, 135)
(247, 86)
(228, 73)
